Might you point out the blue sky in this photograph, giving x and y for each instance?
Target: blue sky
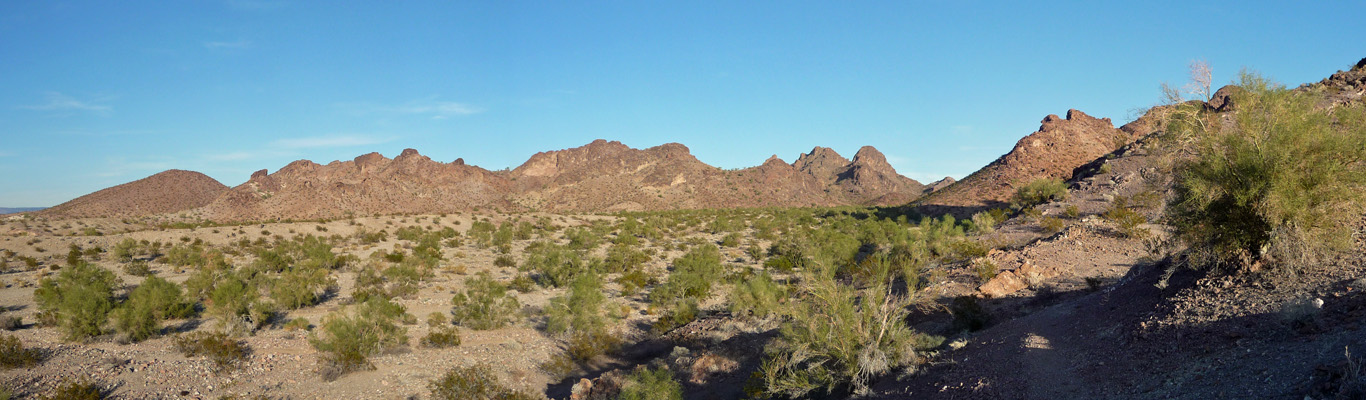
(94, 94)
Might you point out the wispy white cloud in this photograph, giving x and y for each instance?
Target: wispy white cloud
(430, 107)
(235, 45)
(328, 141)
(62, 103)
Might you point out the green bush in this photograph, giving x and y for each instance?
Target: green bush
(1281, 183)
(580, 310)
(485, 304)
(301, 286)
(757, 296)
(137, 268)
(1037, 192)
(14, 355)
(442, 334)
(651, 384)
(554, 265)
(347, 341)
(153, 301)
(473, 383)
(226, 352)
(81, 296)
(1130, 222)
(1051, 225)
(692, 276)
(838, 336)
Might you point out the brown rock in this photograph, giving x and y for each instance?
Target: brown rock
(1003, 284)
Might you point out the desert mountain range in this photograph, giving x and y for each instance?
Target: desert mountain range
(600, 176)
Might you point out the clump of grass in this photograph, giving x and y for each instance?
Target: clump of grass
(77, 390)
(1129, 222)
(1051, 225)
(442, 333)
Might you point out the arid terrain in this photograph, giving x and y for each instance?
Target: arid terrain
(1088, 262)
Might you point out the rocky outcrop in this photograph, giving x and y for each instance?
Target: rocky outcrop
(1059, 146)
(169, 191)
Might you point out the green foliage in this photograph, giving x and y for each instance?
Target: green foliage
(582, 238)
(692, 276)
(838, 335)
(14, 355)
(153, 301)
(485, 304)
(442, 334)
(1281, 183)
(579, 310)
(1051, 225)
(300, 287)
(1129, 221)
(81, 296)
(348, 340)
(137, 268)
(651, 384)
(624, 258)
(1072, 211)
(554, 265)
(758, 296)
(226, 352)
(473, 383)
(1037, 192)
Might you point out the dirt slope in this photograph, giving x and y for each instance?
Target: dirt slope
(169, 191)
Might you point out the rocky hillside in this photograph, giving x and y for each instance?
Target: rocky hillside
(369, 184)
(1059, 146)
(599, 176)
(170, 191)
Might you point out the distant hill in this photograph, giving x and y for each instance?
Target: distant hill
(166, 192)
(12, 210)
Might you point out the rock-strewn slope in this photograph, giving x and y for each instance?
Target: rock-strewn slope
(169, 191)
(1059, 146)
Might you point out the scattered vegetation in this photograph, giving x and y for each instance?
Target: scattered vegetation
(81, 297)
(225, 351)
(485, 304)
(473, 383)
(1272, 188)
(1037, 192)
(348, 340)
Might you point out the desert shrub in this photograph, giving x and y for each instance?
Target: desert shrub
(624, 258)
(1039, 191)
(473, 383)
(634, 280)
(579, 310)
(14, 355)
(581, 347)
(676, 314)
(153, 301)
(651, 384)
(522, 284)
(758, 296)
(485, 304)
(81, 297)
(1072, 211)
(299, 324)
(442, 334)
(504, 261)
(1051, 225)
(77, 390)
(230, 299)
(300, 287)
(984, 222)
(984, 269)
(582, 238)
(692, 276)
(731, 239)
(348, 340)
(838, 336)
(137, 268)
(125, 249)
(1279, 183)
(224, 351)
(554, 265)
(1129, 221)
